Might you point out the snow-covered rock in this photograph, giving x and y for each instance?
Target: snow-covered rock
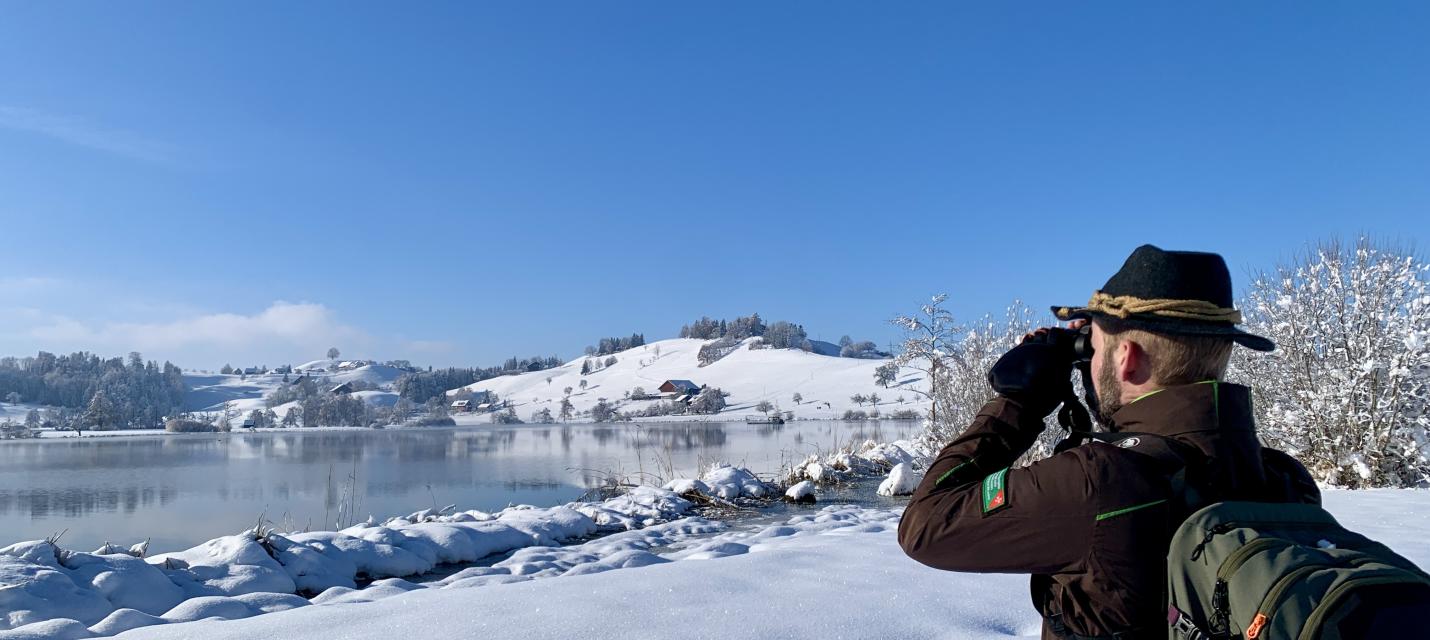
(36, 587)
(227, 566)
(888, 455)
(55, 629)
(802, 492)
(123, 620)
(641, 506)
(687, 485)
(126, 581)
(729, 482)
(901, 481)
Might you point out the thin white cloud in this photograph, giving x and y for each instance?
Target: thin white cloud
(13, 285)
(282, 328)
(81, 132)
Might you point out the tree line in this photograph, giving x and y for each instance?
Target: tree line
(105, 393)
(421, 386)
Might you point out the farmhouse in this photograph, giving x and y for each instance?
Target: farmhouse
(346, 387)
(477, 401)
(679, 387)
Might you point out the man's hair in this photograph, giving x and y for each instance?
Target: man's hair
(1175, 359)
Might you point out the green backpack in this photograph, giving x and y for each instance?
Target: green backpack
(1276, 570)
(1269, 571)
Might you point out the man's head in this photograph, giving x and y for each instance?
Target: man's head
(1165, 318)
(1129, 362)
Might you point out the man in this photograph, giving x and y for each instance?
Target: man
(1093, 523)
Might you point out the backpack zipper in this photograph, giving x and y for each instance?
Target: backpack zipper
(1226, 527)
(1242, 555)
(1221, 601)
(1272, 601)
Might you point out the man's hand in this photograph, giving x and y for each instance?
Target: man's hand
(1036, 374)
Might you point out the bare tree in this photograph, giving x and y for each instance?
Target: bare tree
(886, 374)
(954, 360)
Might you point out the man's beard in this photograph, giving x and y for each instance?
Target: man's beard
(1109, 393)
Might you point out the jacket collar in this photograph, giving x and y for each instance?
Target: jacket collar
(1204, 406)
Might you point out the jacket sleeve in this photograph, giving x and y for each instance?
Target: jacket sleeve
(972, 512)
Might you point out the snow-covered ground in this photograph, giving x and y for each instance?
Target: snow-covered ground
(825, 383)
(832, 572)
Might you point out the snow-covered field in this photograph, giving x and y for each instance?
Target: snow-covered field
(825, 383)
(833, 572)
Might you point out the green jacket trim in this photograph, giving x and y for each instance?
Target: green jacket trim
(1119, 512)
(948, 473)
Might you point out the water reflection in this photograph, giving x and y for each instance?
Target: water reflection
(184, 489)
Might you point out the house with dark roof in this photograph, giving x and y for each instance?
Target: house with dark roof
(679, 387)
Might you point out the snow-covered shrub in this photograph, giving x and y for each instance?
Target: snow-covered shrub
(711, 400)
(10, 429)
(604, 412)
(507, 417)
(186, 425)
(954, 359)
(1347, 389)
(714, 351)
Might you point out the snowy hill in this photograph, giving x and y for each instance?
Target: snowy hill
(750, 376)
(209, 392)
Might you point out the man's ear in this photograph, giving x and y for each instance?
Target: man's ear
(1132, 364)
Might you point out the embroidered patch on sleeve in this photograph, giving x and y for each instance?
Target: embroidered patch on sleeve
(995, 492)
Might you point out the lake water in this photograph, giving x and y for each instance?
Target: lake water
(179, 490)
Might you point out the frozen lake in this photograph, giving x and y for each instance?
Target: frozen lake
(180, 490)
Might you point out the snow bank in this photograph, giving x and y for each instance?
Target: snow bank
(834, 573)
(697, 578)
(46, 591)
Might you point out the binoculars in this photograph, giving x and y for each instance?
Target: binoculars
(1075, 343)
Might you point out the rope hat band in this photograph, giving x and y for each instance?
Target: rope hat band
(1124, 306)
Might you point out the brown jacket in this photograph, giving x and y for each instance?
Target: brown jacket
(1092, 524)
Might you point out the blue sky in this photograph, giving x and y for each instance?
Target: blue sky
(250, 182)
